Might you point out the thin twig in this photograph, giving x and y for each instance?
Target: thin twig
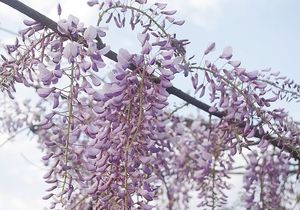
(178, 108)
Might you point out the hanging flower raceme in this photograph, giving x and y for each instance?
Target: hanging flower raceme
(118, 142)
(203, 169)
(244, 98)
(266, 180)
(112, 132)
(114, 138)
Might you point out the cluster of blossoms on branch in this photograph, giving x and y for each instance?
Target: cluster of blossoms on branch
(112, 144)
(265, 179)
(245, 99)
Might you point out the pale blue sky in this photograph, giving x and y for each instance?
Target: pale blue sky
(263, 33)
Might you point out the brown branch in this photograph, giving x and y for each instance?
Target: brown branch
(48, 23)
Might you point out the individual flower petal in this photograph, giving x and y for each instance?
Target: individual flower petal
(58, 73)
(104, 50)
(90, 33)
(62, 26)
(48, 156)
(161, 6)
(85, 65)
(101, 32)
(251, 75)
(273, 99)
(146, 48)
(195, 80)
(210, 48)
(72, 20)
(251, 133)
(46, 197)
(95, 80)
(202, 92)
(212, 109)
(44, 74)
(170, 19)
(141, 1)
(48, 174)
(93, 152)
(227, 53)
(44, 92)
(171, 12)
(235, 63)
(51, 188)
(92, 2)
(166, 72)
(123, 57)
(55, 100)
(143, 37)
(70, 50)
(98, 96)
(179, 22)
(30, 22)
(58, 9)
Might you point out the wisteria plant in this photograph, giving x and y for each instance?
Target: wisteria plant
(114, 143)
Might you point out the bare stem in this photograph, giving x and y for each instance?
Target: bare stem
(70, 118)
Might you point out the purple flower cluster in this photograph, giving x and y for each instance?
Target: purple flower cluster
(112, 144)
(245, 99)
(265, 180)
(200, 162)
(101, 138)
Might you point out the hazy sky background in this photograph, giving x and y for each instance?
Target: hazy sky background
(263, 33)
